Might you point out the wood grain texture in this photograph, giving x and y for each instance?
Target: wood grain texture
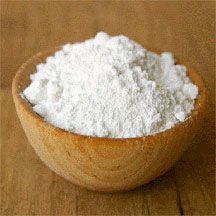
(186, 28)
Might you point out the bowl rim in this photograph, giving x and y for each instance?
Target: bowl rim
(194, 76)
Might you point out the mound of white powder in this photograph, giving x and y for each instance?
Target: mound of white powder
(111, 87)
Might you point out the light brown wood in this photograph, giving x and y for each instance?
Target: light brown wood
(185, 28)
(105, 164)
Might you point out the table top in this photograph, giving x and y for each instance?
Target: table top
(185, 28)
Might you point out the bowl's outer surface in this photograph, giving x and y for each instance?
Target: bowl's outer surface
(104, 164)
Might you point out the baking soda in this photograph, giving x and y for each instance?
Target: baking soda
(111, 87)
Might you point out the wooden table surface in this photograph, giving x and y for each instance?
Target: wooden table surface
(186, 28)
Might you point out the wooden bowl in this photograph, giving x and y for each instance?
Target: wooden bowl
(104, 164)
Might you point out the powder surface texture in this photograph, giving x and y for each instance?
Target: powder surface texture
(111, 87)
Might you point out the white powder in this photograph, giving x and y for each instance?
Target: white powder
(111, 87)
